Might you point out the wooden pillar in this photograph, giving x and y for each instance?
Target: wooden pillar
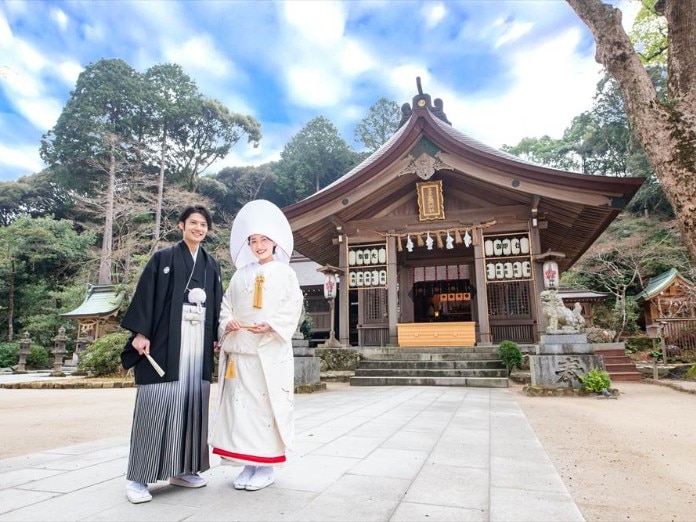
(537, 284)
(481, 289)
(344, 296)
(392, 300)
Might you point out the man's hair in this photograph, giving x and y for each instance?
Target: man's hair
(196, 209)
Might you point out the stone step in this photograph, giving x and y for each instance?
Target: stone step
(411, 365)
(428, 373)
(473, 382)
(620, 367)
(416, 356)
(611, 353)
(626, 376)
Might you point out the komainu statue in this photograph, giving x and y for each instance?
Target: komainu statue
(560, 319)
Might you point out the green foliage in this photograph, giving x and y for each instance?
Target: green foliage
(39, 358)
(691, 373)
(306, 327)
(9, 354)
(315, 157)
(510, 354)
(649, 34)
(103, 356)
(638, 344)
(379, 125)
(596, 380)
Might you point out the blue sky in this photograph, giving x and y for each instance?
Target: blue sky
(504, 69)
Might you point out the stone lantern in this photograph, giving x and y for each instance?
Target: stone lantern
(24, 350)
(59, 342)
(331, 274)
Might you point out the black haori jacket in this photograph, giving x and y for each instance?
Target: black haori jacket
(155, 311)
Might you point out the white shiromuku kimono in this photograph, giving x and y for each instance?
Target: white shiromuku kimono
(254, 419)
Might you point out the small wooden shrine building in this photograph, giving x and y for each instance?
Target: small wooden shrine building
(96, 315)
(441, 239)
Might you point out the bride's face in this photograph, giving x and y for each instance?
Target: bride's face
(262, 247)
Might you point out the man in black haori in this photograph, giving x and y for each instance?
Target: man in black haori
(174, 320)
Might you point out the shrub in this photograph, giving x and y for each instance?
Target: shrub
(9, 354)
(103, 356)
(510, 354)
(596, 380)
(38, 358)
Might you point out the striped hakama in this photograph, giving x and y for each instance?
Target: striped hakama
(170, 421)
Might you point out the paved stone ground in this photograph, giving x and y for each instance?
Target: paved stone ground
(362, 453)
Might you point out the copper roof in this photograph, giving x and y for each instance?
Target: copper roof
(575, 208)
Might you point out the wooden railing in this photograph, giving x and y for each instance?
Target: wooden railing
(519, 333)
(373, 335)
(680, 332)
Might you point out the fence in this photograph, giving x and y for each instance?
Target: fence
(680, 332)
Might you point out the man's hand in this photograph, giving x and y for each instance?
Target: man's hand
(141, 344)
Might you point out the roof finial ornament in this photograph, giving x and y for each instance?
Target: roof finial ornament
(419, 86)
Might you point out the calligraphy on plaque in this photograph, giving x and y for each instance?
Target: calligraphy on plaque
(430, 201)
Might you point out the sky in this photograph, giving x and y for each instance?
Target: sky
(505, 70)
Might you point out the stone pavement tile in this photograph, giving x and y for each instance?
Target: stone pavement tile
(269, 504)
(313, 472)
(412, 440)
(302, 447)
(68, 481)
(429, 422)
(73, 506)
(465, 435)
(403, 464)
(348, 446)
(516, 505)
(16, 498)
(85, 460)
(27, 461)
(383, 428)
(87, 447)
(450, 486)
(511, 472)
(355, 497)
(327, 509)
(410, 512)
(322, 433)
(151, 511)
(461, 454)
(21, 477)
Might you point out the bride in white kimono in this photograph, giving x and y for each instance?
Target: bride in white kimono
(254, 420)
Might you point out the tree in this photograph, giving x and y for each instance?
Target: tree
(665, 129)
(171, 92)
(93, 140)
(232, 187)
(314, 157)
(206, 132)
(379, 125)
(40, 251)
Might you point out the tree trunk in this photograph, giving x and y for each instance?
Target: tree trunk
(107, 239)
(160, 193)
(667, 131)
(10, 304)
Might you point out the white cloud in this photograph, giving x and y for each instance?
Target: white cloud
(199, 54)
(68, 71)
(550, 85)
(321, 23)
(512, 32)
(20, 158)
(60, 18)
(433, 13)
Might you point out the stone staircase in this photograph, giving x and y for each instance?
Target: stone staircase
(618, 365)
(473, 366)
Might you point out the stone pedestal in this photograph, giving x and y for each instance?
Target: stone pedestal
(561, 360)
(307, 378)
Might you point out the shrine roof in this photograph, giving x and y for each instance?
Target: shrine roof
(659, 283)
(100, 301)
(575, 207)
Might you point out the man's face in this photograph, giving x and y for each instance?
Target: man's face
(194, 228)
(261, 247)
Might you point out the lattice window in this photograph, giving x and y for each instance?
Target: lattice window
(506, 300)
(375, 305)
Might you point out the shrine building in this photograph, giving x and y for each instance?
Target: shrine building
(441, 239)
